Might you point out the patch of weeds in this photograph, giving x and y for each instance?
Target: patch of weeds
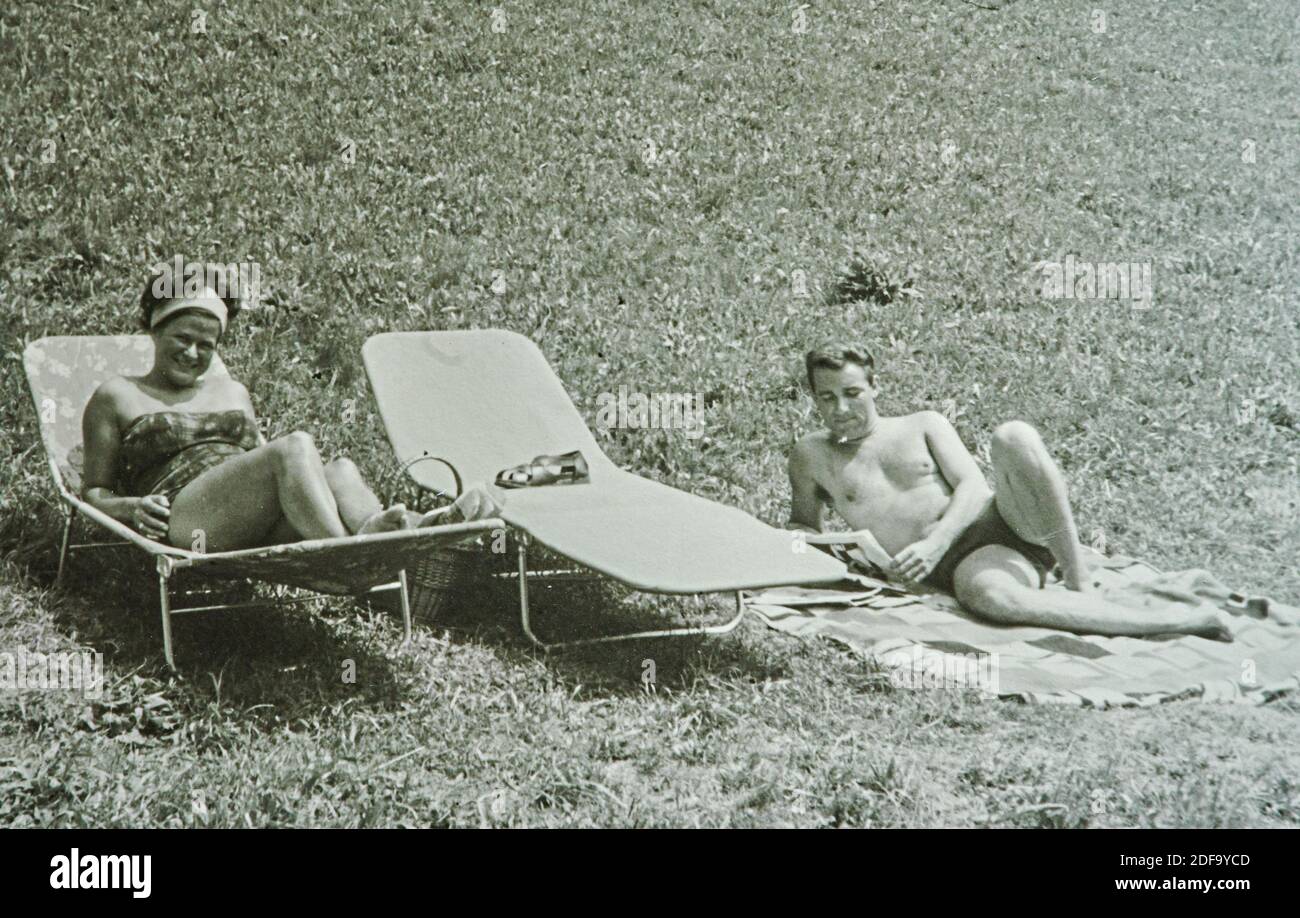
(871, 279)
(1281, 415)
(132, 717)
(1282, 800)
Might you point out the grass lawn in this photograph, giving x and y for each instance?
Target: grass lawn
(635, 186)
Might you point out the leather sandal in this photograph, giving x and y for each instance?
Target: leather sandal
(568, 468)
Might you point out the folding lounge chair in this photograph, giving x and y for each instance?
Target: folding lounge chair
(63, 372)
(487, 400)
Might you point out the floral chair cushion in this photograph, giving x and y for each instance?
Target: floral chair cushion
(64, 372)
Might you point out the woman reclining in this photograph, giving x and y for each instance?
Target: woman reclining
(177, 454)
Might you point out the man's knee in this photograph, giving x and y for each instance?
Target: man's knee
(1015, 438)
(995, 598)
(995, 581)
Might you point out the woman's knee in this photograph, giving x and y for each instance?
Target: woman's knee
(294, 450)
(342, 471)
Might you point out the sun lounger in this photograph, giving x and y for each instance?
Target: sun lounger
(63, 372)
(487, 400)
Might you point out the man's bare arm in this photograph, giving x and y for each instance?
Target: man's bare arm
(970, 495)
(970, 492)
(807, 512)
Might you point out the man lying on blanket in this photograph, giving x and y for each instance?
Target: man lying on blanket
(923, 513)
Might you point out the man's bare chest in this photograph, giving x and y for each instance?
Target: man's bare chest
(877, 472)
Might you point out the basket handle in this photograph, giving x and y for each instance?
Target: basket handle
(455, 475)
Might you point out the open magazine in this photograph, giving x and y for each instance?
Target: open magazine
(864, 547)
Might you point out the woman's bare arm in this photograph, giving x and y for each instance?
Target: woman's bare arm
(246, 402)
(103, 444)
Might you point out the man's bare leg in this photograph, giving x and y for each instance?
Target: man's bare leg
(1000, 584)
(1031, 496)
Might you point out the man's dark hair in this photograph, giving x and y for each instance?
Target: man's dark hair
(833, 355)
(164, 277)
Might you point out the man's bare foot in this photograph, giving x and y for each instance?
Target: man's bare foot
(384, 520)
(1078, 578)
(1212, 624)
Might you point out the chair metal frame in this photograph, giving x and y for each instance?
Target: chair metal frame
(240, 565)
(168, 565)
(523, 575)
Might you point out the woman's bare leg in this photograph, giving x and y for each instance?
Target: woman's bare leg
(282, 534)
(359, 508)
(239, 503)
(356, 502)
(304, 492)
(280, 492)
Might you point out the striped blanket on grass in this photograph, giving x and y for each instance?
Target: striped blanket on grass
(927, 640)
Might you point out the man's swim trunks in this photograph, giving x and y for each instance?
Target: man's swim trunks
(164, 451)
(989, 528)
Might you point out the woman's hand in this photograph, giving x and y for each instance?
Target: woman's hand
(151, 516)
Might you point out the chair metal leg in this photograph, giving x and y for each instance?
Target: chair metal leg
(165, 602)
(723, 628)
(67, 539)
(406, 607)
(522, 556)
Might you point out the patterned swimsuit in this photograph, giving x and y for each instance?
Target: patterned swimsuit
(164, 451)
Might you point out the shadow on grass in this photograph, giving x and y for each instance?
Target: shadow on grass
(281, 663)
(597, 607)
(275, 657)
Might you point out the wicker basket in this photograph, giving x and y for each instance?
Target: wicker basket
(450, 571)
